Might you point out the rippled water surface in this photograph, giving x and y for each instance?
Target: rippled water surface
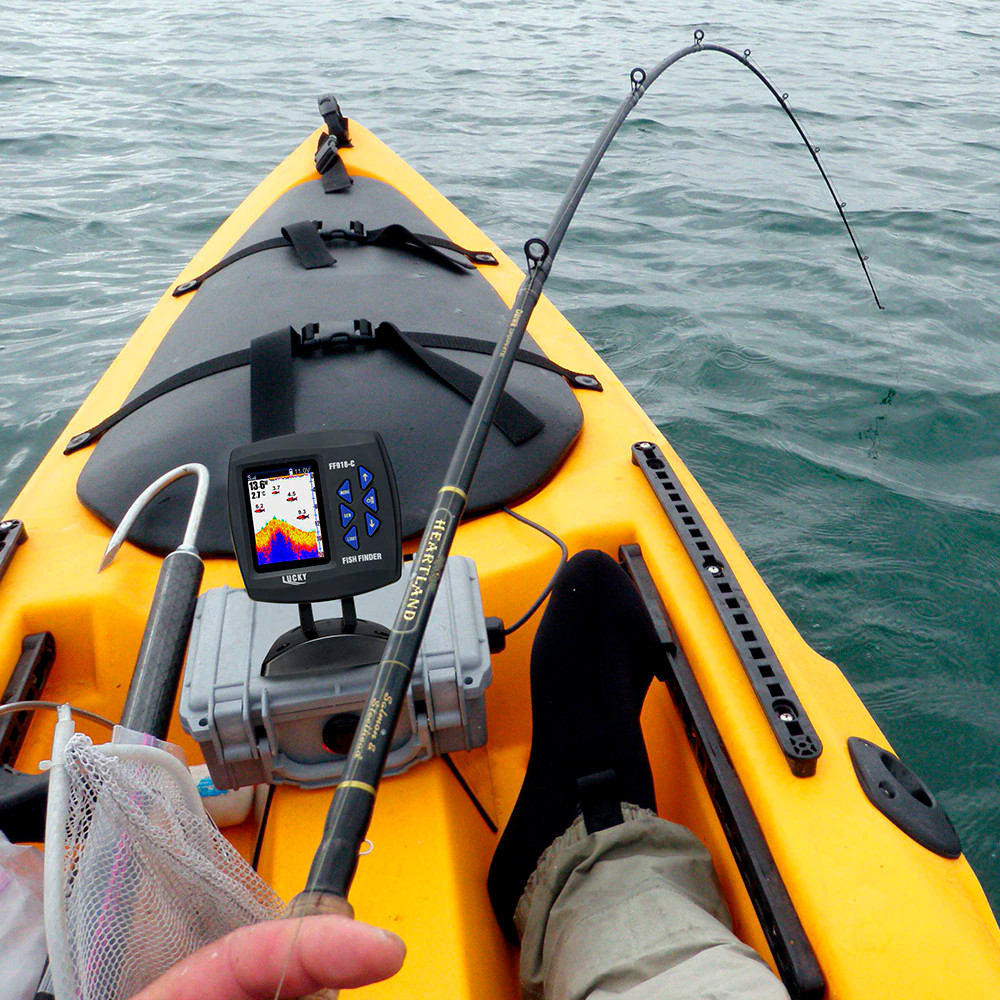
(853, 452)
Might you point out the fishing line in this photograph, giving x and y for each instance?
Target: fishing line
(871, 433)
(880, 421)
(288, 959)
(467, 788)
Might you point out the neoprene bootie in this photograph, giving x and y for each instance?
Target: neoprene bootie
(591, 664)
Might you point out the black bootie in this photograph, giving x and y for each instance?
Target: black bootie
(591, 664)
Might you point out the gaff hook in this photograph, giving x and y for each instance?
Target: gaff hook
(194, 518)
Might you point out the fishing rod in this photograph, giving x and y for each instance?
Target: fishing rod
(347, 822)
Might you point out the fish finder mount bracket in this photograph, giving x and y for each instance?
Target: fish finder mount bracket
(315, 517)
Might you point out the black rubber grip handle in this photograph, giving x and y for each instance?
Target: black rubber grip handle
(157, 673)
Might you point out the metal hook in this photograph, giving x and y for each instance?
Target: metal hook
(194, 518)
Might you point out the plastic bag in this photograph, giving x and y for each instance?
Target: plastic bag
(22, 931)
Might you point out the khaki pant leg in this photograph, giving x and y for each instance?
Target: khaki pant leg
(633, 912)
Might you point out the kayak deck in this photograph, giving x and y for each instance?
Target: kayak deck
(885, 916)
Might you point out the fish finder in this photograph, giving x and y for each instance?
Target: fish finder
(314, 516)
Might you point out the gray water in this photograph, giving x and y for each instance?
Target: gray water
(854, 453)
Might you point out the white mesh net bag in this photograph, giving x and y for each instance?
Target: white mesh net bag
(136, 875)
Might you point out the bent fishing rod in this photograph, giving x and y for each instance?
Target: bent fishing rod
(347, 822)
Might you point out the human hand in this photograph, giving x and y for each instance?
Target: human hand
(248, 964)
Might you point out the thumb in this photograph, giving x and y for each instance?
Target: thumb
(303, 955)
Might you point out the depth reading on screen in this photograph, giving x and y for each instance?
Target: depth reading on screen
(284, 511)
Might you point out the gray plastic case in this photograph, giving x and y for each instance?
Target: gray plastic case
(254, 729)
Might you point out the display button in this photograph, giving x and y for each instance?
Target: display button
(364, 477)
(352, 537)
(372, 524)
(370, 500)
(346, 515)
(344, 491)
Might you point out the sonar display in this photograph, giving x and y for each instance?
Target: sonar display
(284, 515)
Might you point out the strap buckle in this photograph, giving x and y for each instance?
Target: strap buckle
(336, 123)
(314, 338)
(326, 154)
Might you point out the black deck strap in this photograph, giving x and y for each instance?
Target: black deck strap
(189, 286)
(449, 342)
(513, 419)
(308, 244)
(600, 800)
(474, 256)
(272, 385)
(213, 366)
(394, 236)
(516, 421)
(284, 240)
(398, 237)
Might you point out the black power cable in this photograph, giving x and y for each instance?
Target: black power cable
(548, 587)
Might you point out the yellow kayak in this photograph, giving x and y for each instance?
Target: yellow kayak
(836, 862)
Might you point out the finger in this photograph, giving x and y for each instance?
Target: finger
(249, 963)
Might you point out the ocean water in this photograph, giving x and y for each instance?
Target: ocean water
(853, 452)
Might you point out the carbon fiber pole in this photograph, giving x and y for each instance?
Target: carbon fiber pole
(157, 672)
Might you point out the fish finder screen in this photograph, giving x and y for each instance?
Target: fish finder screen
(285, 516)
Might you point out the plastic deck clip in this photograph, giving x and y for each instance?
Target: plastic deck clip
(27, 679)
(12, 534)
